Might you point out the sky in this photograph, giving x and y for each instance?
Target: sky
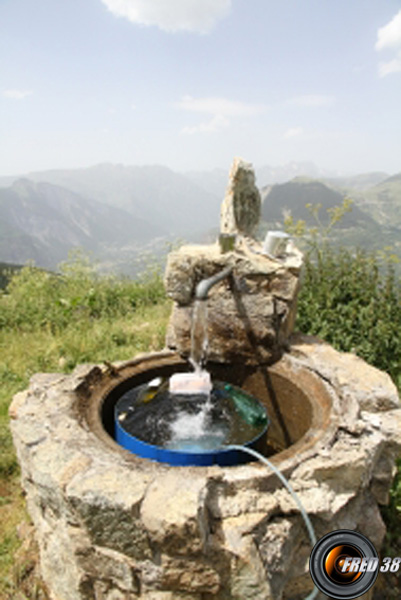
(192, 83)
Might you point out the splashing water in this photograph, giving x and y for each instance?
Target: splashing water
(199, 337)
(192, 423)
(190, 429)
(195, 432)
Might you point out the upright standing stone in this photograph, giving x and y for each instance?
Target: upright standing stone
(240, 210)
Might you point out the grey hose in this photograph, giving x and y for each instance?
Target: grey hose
(290, 489)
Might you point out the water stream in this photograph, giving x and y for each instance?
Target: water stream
(198, 428)
(189, 415)
(199, 337)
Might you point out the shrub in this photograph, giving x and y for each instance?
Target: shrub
(353, 301)
(38, 299)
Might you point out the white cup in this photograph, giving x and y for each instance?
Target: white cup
(275, 243)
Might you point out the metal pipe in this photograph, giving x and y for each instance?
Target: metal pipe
(203, 287)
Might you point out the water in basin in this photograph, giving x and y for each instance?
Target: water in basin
(191, 423)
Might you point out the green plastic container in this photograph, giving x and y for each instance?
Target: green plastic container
(250, 409)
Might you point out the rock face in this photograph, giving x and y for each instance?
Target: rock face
(250, 314)
(116, 527)
(240, 211)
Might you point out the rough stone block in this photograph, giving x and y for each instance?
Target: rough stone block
(173, 512)
(250, 314)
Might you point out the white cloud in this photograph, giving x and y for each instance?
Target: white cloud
(172, 15)
(216, 123)
(16, 94)
(293, 132)
(391, 66)
(389, 36)
(220, 106)
(312, 101)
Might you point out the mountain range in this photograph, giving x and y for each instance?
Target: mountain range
(120, 213)
(42, 222)
(152, 193)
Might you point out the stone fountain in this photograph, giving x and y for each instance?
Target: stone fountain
(114, 526)
(250, 314)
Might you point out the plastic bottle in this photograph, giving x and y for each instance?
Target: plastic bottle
(250, 409)
(150, 390)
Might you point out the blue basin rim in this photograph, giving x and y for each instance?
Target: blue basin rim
(180, 458)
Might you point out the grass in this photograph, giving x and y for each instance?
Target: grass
(50, 324)
(13, 513)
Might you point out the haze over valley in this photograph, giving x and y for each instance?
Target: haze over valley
(126, 215)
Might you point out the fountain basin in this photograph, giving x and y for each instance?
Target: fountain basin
(189, 429)
(298, 405)
(117, 526)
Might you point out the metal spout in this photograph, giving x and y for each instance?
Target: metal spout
(203, 287)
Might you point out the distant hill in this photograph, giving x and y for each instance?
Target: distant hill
(168, 200)
(356, 182)
(374, 222)
(383, 201)
(42, 222)
(393, 180)
(293, 197)
(213, 182)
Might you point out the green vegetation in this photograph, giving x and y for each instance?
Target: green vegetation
(52, 323)
(349, 298)
(37, 299)
(6, 272)
(353, 301)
